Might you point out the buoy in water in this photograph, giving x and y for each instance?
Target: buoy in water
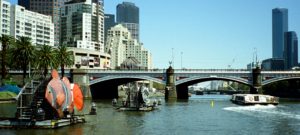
(212, 103)
(159, 102)
(114, 102)
(93, 109)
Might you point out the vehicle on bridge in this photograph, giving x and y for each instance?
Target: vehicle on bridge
(252, 99)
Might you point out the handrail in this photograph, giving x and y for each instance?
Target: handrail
(21, 91)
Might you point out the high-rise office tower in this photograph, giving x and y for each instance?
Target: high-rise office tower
(46, 7)
(82, 30)
(109, 21)
(128, 16)
(290, 50)
(279, 27)
(82, 25)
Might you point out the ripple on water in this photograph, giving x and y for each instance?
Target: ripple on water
(264, 110)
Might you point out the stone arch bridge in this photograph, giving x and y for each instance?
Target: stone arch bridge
(103, 84)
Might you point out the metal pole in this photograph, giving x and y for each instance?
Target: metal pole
(181, 58)
(173, 57)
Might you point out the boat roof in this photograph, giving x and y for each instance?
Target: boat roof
(251, 95)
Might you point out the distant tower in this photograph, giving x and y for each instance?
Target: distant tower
(109, 21)
(128, 16)
(291, 50)
(279, 27)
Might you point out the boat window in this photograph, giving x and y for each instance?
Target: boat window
(240, 98)
(256, 98)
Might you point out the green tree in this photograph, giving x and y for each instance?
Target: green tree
(64, 58)
(45, 59)
(22, 54)
(5, 42)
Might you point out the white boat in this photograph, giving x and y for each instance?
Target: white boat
(251, 99)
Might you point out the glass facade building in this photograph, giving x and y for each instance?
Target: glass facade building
(128, 16)
(273, 64)
(109, 21)
(291, 50)
(127, 12)
(279, 27)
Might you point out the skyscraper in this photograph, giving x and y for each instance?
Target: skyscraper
(127, 12)
(109, 21)
(46, 7)
(82, 25)
(82, 30)
(279, 27)
(290, 50)
(128, 16)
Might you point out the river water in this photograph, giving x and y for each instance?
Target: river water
(198, 116)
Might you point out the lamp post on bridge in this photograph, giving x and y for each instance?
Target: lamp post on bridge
(181, 59)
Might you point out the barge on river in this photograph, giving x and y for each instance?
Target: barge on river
(252, 99)
(47, 103)
(137, 99)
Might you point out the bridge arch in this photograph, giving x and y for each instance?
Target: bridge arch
(199, 78)
(277, 79)
(107, 87)
(107, 78)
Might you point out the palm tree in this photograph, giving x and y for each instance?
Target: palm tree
(64, 58)
(45, 58)
(5, 40)
(23, 54)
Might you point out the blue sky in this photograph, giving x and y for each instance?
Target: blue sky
(209, 33)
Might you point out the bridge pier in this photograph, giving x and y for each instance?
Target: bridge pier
(256, 81)
(170, 89)
(81, 77)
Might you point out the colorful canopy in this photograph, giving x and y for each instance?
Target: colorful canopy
(78, 97)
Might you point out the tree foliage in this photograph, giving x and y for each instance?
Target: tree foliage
(5, 43)
(64, 58)
(22, 54)
(45, 59)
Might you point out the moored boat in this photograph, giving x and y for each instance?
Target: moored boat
(136, 100)
(251, 99)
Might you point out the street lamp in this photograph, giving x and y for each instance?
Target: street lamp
(173, 57)
(181, 58)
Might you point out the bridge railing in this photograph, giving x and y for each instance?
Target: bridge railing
(176, 71)
(212, 71)
(281, 72)
(164, 70)
(125, 71)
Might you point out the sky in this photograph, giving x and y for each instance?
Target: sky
(208, 34)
